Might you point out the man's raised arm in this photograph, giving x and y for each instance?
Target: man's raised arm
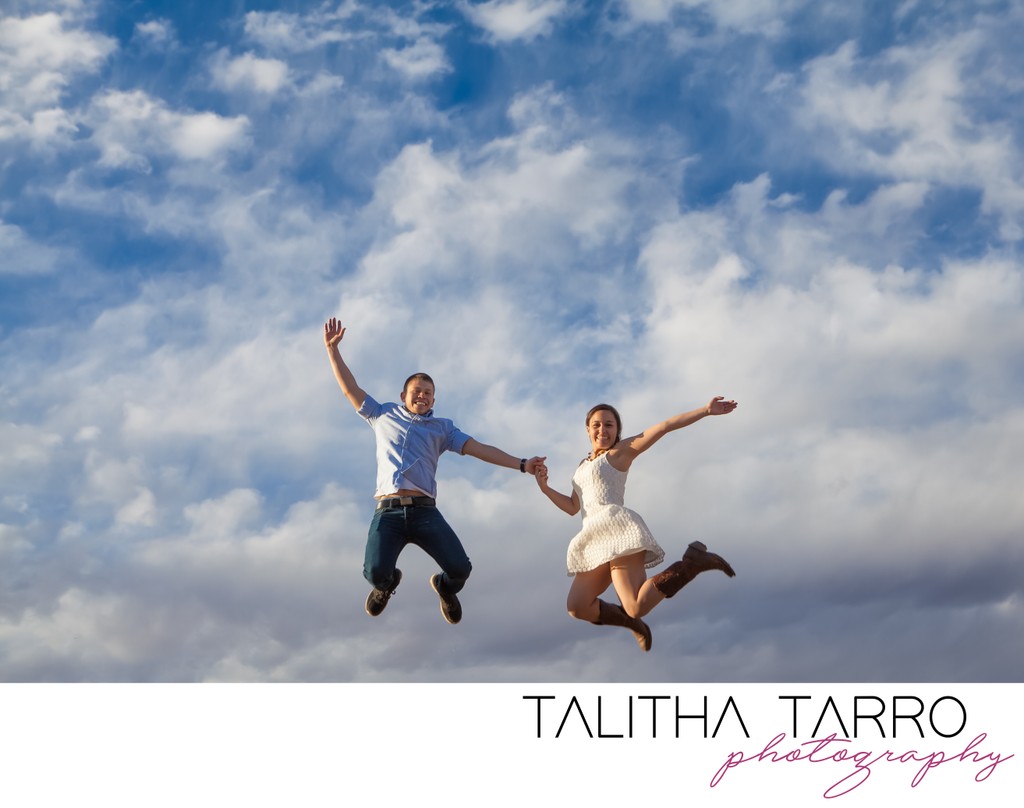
(333, 332)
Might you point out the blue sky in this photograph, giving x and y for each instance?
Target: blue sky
(813, 208)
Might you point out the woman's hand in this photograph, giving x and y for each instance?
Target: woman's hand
(719, 406)
(540, 472)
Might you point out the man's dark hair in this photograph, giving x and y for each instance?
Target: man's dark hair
(423, 377)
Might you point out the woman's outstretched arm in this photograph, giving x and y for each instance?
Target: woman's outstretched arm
(627, 449)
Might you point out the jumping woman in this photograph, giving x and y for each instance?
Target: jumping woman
(614, 546)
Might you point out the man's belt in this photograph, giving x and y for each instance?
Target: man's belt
(405, 502)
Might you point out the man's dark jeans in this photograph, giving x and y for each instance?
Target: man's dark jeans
(423, 525)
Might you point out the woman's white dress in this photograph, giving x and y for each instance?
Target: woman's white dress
(610, 529)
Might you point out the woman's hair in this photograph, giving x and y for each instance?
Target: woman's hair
(615, 415)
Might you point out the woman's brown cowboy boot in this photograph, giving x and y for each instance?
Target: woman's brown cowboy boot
(614, 615)
(696, 560)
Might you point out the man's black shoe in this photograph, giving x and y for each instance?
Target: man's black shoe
(451, 609)
(378, 598)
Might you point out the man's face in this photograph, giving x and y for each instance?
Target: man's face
(418, 397)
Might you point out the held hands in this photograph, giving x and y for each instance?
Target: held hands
(534, 464)
(333, 332)
(719, 406)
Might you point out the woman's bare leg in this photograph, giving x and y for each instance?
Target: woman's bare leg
(583, 603)
(635, 590)
(583, 593)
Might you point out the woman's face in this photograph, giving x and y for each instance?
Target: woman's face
(602, 430)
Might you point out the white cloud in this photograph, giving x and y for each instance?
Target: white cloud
(131, 128)
(22, 256)
(26, 447)
(788, 276)
(44, 129)
(156, 34)
(12, 544)
(249, 72)
(510, 20)
(215, 519)
(538, 190)
(115, 480)
(422, 59)
(206, 135)
(39, 57)
(183, 593)
(908, 115)
(406, 44)
(764, 17)
(141, 510)
(278, 30)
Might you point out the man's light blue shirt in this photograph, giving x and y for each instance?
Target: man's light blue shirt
(409, 446)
